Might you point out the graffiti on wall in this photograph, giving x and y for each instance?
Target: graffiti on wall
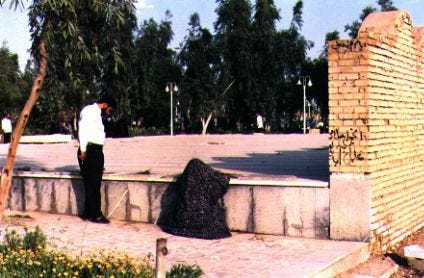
(343, 146)
(351, 45)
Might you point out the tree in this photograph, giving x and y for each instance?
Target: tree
(386, 5)
(329, 36)
(234, 39)
(353, 28)
(199, 58)
(291, 52)
(297, 20)
(10, 81)
(56, 24)
(265, 68)
(96, 37)
(155, 65)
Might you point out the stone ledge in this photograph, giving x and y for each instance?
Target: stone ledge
(254, 181)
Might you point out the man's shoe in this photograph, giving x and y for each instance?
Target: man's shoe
(101, 219)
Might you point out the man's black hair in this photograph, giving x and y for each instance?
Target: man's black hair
(109, 100)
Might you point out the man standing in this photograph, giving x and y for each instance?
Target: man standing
(6, 126)
(259, 122)
(91, 135)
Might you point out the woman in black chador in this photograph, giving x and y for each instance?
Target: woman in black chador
(199, 211)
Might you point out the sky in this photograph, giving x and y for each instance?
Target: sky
(319, 17)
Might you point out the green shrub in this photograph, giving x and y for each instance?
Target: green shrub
(184, 271)
(27, 256)
(13, 241)
(34, 240)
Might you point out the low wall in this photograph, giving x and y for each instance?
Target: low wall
(291, 208)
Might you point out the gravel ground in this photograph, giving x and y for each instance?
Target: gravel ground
(377, 264)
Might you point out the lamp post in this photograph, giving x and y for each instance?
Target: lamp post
(170, 88)
(304, 80)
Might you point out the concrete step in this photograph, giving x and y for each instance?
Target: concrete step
(374, 267)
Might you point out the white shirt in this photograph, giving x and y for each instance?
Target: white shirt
(259, 121)
(91, 127)
(6, 125)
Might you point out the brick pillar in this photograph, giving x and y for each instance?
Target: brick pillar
(376, 102)
(349, 132)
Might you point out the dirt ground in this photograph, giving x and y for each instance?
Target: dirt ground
(376, 263)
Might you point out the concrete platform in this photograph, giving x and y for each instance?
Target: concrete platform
(242, 255)
(291, 157)
(294, 159)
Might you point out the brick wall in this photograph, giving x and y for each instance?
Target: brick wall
(376, 101)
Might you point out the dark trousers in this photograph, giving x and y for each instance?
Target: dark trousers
(92, 171)
(6, 137)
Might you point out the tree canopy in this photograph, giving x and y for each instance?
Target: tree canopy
(353, 28)
(246, 65)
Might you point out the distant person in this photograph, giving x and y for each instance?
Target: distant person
(91, 135)
(109, 123)
(67, 121)
(259, 122)
(6, 126)
(74, 122)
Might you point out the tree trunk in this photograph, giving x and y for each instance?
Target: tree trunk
(7, 172)
(205, 124)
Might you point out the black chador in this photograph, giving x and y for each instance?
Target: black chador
(199, 211)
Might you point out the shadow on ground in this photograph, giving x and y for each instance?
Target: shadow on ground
(305, 163)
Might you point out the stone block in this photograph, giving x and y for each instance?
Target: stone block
(62, 193)
(116, 200)
(300, 212)
(350, 203)
(45, 200)
(16, 195)
(269, 210)
(414, 251)
(139, 206)
(239, 214)
(158, 199)
(322, 213)
(77, 197)
(32, 195)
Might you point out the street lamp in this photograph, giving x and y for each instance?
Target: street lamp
(304, 80)
(170, 88)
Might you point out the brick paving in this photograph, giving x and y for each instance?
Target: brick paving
(242, 255)
(287, 156)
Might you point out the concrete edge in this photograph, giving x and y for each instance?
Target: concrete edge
(46, 139)
(168, 179)
(344, 262)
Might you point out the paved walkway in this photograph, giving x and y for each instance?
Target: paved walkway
(242, 255)
(284, 156)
